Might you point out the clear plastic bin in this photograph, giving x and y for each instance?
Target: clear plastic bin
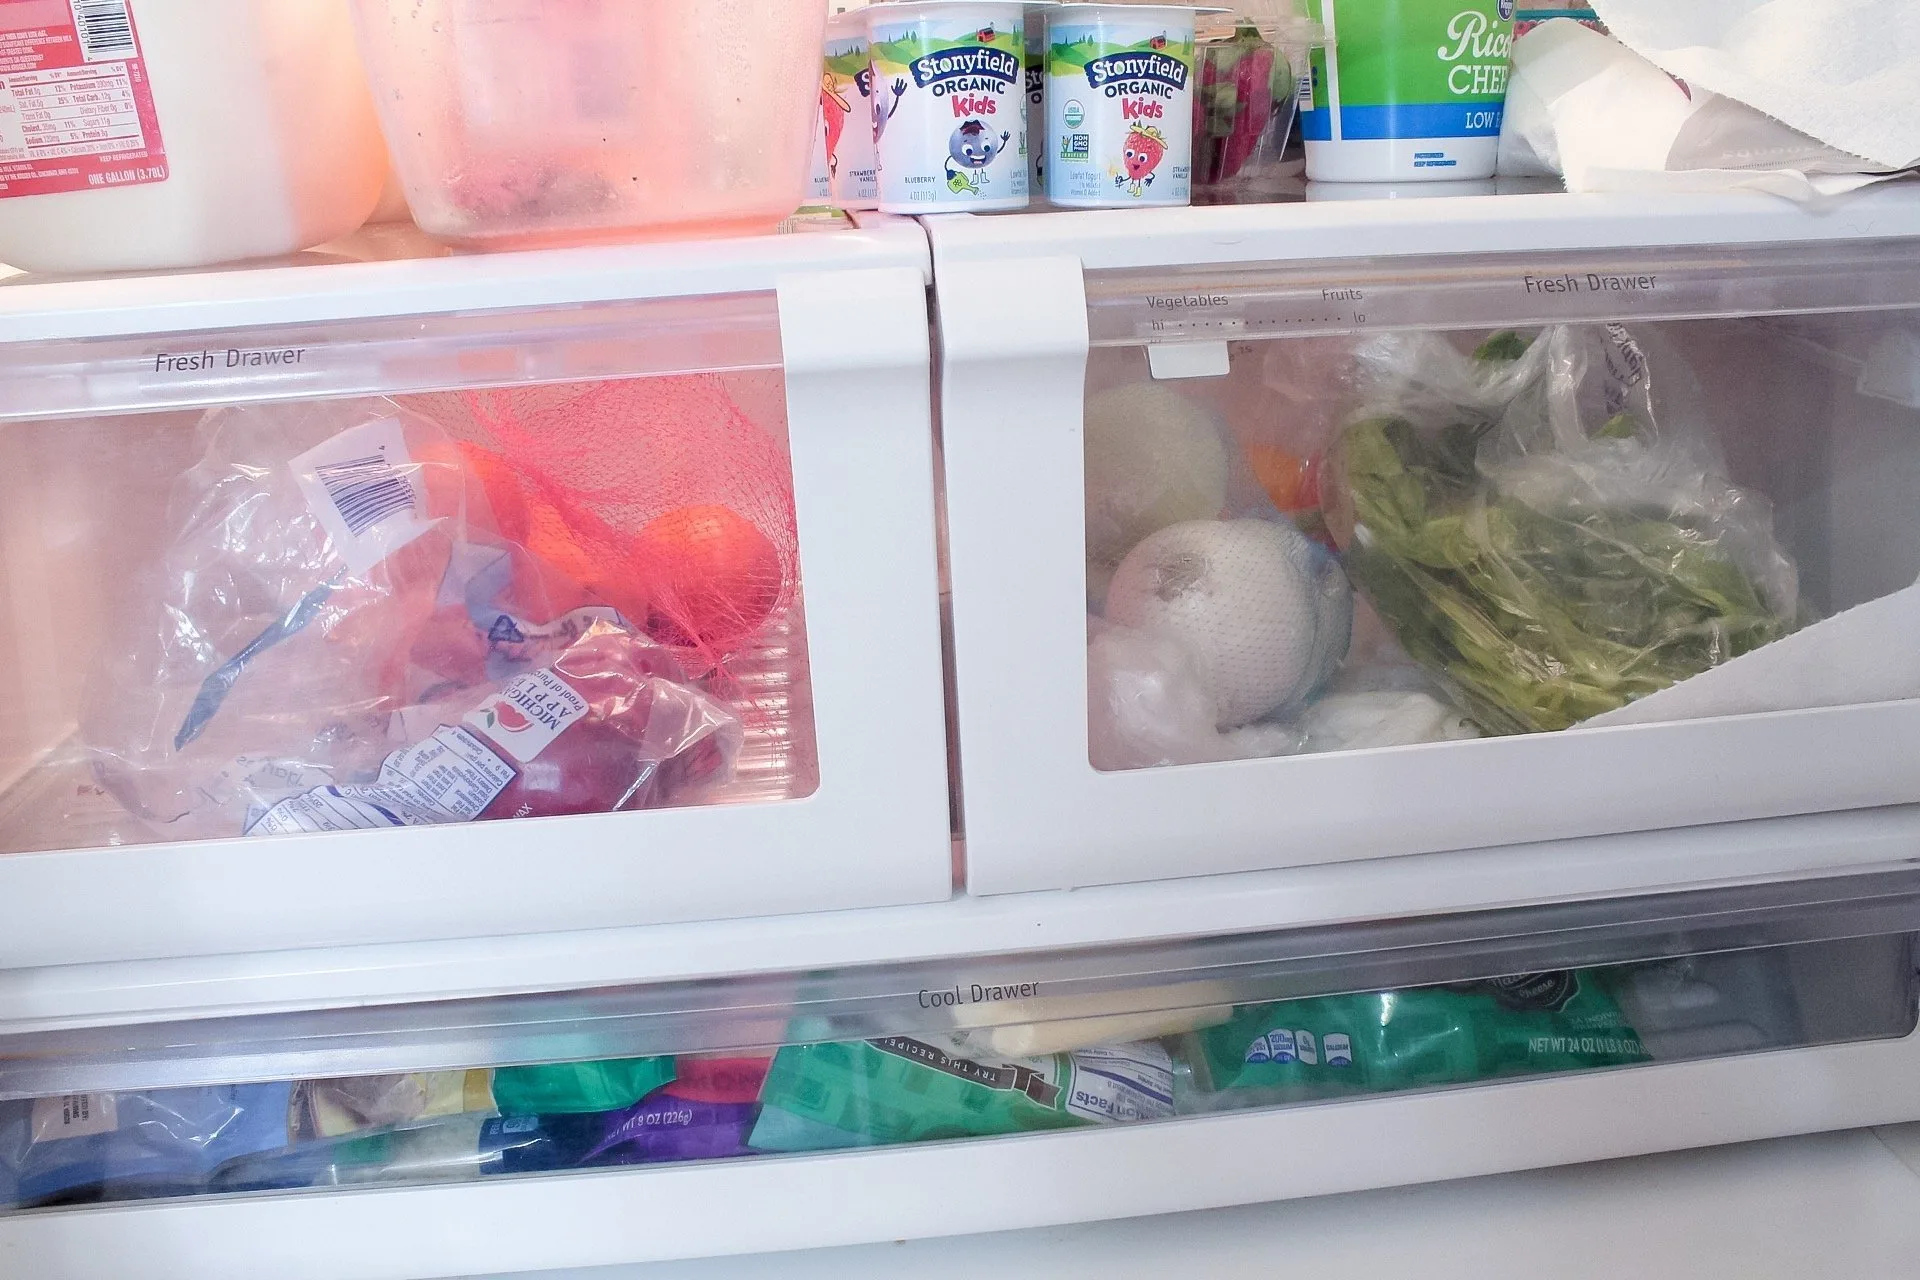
(1250, 65)
(520, 122)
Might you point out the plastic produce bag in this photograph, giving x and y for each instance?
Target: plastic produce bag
(863, 1093)
(335, 586)
(335, 1108)
(1535, 539)
(1387, 1040)
(87, 1147)
(660, 1127)
(1148, 705)
(601, 730)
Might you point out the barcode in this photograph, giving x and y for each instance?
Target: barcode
(105, 27)
(365, 491)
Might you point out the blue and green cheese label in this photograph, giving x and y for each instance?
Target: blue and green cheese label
(1409, 69)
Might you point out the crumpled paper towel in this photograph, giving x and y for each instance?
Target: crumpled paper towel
(1846, 72)
(1590, 109)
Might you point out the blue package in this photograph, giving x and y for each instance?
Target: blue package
(82, 1148)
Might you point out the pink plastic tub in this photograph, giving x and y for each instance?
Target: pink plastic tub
(522, 122)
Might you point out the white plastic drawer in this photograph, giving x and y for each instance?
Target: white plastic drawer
(743, 478)
(1146, 505)
(1411, 1050)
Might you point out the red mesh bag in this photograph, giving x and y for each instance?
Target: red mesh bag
(657, 495)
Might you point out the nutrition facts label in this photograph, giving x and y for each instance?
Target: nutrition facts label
(71, 112)
(76, 110)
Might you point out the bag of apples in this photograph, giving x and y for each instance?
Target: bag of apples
(360, 619)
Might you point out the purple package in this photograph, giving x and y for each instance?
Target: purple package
(663, 1127)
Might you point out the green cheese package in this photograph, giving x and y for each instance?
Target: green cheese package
(1380, 1041)
(864, 1093)
(573, 1088)
(1535, 538)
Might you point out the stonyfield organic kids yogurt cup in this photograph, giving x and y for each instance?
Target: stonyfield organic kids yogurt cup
(1036, 72)
(1407, 89)
(1119, 105)
(949, 105)
(846, 114)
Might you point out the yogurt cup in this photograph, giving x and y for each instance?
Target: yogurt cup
(1119, 105)
(846, 114)
(949, 105)
(1036, 80)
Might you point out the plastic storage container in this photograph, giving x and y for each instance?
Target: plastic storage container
(1407, 89)
(372, 584)
(1363, 552)
(860, 1077)
(516, 122)
(139, 134)
(1250, 72)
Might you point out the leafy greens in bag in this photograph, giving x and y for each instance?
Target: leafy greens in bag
(1535, 539)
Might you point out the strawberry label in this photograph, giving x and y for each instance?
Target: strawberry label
(528, 714)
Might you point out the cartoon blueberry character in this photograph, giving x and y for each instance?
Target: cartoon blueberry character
(972, 148)
(1146, 146)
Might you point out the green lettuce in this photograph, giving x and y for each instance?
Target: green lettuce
(1535, 619)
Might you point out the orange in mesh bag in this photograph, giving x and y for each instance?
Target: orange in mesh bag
(337, 581)
(658, 495)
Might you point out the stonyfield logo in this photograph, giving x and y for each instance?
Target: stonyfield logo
(1154, 68)
(939, 71)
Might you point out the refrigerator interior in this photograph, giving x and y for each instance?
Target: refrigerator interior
(569, 1038)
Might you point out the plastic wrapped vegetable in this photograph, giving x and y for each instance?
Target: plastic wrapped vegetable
(1533, 536)
(1245, 92)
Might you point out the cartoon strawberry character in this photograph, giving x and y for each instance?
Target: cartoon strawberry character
(1145, 147)
(834, 110)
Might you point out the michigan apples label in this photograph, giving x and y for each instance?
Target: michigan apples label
(1120, 107)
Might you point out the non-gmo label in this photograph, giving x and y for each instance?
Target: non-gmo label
(76, 108)
(950, 110)
(1120, 106)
